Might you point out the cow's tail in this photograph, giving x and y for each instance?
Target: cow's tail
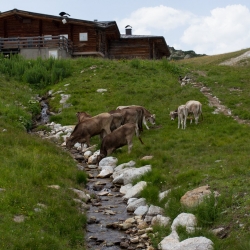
(137, 133)
(201, 113)
(140, 140)
(140, 119)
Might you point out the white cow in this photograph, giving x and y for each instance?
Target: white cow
(182, 116)
(195, 108)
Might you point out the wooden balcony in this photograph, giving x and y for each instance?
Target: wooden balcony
(17, 43)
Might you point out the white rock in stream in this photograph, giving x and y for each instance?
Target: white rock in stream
(108, 161)
(132, 206)
(128, 175)
(124, 189)
(135, 191)
(106, 172)
(141, 210)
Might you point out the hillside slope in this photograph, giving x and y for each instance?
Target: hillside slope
(214, 152)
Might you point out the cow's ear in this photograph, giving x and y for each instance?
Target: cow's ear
(153, 115)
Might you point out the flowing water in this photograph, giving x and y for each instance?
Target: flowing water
(107, 209)
(44, 115)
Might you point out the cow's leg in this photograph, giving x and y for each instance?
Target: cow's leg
(130, 145)
(145, 122)
(82, 141)
(110, 151)
(88, 141)
(185, 121)
(182, 121)
(179, 121)
(196, 119)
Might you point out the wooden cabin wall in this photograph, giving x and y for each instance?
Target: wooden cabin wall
(13, 26)
(2, 28)
(130, 48)
(85, 46)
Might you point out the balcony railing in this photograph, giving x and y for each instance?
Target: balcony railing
(17, 43)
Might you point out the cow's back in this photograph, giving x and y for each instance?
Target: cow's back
(194, 106)
(147, 116)
(82, 116)
(133, 115)
(90, 127)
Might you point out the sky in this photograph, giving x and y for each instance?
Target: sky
(206, 26)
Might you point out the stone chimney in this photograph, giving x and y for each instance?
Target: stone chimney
(128, 30)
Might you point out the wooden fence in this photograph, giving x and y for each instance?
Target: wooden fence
(17, 43)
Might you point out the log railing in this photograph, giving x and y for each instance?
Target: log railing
(16, 43)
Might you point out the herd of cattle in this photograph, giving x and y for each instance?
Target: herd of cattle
(117, 127)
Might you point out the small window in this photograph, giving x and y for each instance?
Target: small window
(83, 36)
(47, 37)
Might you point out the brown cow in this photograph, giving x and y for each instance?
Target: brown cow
(84, 130)
(133, 115)
(116, 122)
(147, 116)
(118, 138)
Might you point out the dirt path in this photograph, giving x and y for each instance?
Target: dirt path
(214, 101)
(235, 60)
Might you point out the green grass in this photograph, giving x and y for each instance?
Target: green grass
(214, 152)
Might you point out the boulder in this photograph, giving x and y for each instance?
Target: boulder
(195, 197)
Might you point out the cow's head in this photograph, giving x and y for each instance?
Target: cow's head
(173, 115)
(151, 119)
(99, 158)
(69, 142)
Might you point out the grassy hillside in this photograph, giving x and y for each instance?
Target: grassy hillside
(29, 165)
(215, 152)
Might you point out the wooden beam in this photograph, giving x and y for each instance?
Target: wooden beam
(5, 24)
(40, 27)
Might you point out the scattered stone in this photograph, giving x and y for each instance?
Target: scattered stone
(54, 186)
(101, 90)
(164, 194)
(103, 193)
(147, 157)
(19, 218)
(81, 194)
